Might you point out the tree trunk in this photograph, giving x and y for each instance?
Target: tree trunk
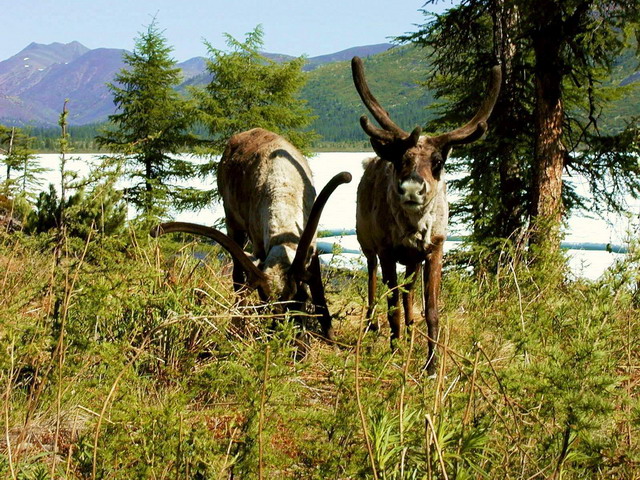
(549, 155)
(148, 177)
(549, 151)
(510, 216)
(10, 153)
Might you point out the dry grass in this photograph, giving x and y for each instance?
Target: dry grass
(159, 361)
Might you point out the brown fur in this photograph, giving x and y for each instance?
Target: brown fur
(391, 233)
(402, 210)
(268, 197)
(267, 191)
(253, 196)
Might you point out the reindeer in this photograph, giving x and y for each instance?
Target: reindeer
(402, 210)
(268, 195)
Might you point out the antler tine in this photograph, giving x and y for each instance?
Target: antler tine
(379, 113)
(300, 260)
(257, 278)
(477, 126)
(373, 131)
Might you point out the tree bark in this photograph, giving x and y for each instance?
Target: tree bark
(549, 151)
(549, 156)
(10, 152)
(510, 217)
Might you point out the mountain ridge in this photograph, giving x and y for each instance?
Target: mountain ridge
(35, 82)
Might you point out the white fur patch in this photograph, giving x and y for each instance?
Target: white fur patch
(430, 216)
(367, 161)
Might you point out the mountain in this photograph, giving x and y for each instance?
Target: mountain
(30, 65)
(341, 56)
(35, 82)
(193, 67)
(346, 55)
(84, 82)
(25, 71)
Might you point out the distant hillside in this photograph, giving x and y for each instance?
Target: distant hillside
(35, 82)
(341, 56)
(29, 66)
(193, 67)
(202, 77)
(27, 69)
(346, 55)
(394, 78)
(84, 82)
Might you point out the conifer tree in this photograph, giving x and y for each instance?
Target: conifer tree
(151, 125)
(248, 90)
(22, 167)
(556, 57)
(85, 206)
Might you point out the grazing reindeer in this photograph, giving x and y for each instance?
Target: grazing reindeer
(402, 209)
(268, 195)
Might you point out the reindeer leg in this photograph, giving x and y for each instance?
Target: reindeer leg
(319, 299)
(372, 271)
(390, 278)
(431, 285)
(411, 275)
(239, 282)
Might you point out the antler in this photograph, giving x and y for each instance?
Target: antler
(255, 276)
(379, 113)
(477, 126)
(299, 262)
(390, 132)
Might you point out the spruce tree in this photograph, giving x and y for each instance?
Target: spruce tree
(556, 58)
(22, 168)
(151, 126)
(248, 90)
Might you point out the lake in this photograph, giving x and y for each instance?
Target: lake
(339, 213)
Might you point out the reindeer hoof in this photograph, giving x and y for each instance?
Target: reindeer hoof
(302, 346)
(373, 326)
(431, 366)
(329, 335)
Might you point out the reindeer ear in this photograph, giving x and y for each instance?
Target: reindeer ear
(383, 149)
(394, 148)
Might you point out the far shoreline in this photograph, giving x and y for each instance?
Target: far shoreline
(320, 147)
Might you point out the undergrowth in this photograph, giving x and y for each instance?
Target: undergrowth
(127, 358)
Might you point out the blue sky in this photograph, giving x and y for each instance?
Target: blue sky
(294, 27)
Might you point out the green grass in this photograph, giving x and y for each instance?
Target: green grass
(126, 358)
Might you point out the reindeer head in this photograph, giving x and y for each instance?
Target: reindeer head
(278, 278)
(417, 160)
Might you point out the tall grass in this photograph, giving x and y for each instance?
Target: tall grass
(126, 358)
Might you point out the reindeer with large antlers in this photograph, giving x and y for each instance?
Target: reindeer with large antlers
(402, 209)
(268, 195)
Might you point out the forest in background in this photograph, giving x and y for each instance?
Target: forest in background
(398, 75)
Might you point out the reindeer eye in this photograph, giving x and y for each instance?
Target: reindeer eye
(437, 162)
